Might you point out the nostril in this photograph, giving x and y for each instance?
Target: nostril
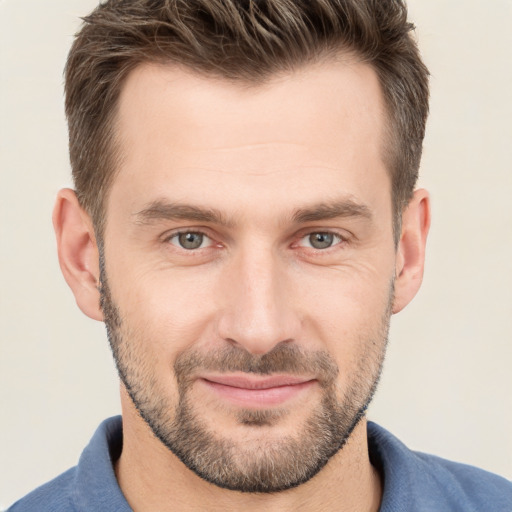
(232, 342)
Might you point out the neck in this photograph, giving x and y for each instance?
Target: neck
(152, 478)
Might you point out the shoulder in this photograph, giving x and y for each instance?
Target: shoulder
(475, 485)
(90, 486)
(54, 496)
(433, 483)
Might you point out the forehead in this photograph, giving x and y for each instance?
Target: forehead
(340, 91)
(320, 127)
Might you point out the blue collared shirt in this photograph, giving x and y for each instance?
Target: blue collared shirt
(413, 482)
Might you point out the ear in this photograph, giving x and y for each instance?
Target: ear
(78, 252)
(410, 256)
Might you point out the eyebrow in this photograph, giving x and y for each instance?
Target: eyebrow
(335, 210)
(161, 210)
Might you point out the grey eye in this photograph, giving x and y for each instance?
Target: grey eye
(190, 240)
(321, 240)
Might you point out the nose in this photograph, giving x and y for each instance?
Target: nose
(258, 311)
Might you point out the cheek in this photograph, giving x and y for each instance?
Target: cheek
(170, 310)
(348, 312)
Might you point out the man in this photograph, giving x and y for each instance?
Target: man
(245, 223)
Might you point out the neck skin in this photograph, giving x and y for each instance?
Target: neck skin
(152, 478)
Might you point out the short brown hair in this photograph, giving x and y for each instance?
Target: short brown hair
(239, 40)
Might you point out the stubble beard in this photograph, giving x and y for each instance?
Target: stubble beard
(266, 464)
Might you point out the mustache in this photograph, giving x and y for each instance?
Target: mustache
(283, 358)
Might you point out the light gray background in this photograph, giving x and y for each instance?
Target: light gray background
(447, 385)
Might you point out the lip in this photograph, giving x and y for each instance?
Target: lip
(257, 392)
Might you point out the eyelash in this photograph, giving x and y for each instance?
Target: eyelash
(341, 240)
(337, 240)
(177, 234)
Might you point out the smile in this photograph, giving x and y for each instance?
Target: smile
(254, 392)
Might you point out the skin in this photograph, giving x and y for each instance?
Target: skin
(272, 156)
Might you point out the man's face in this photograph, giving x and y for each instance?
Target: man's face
(248, 266)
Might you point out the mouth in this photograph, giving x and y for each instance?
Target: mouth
(257, 392)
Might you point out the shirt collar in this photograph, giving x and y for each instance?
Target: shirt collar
(96, 486)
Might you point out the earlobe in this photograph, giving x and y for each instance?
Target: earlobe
(410, 256)
(78, 252)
